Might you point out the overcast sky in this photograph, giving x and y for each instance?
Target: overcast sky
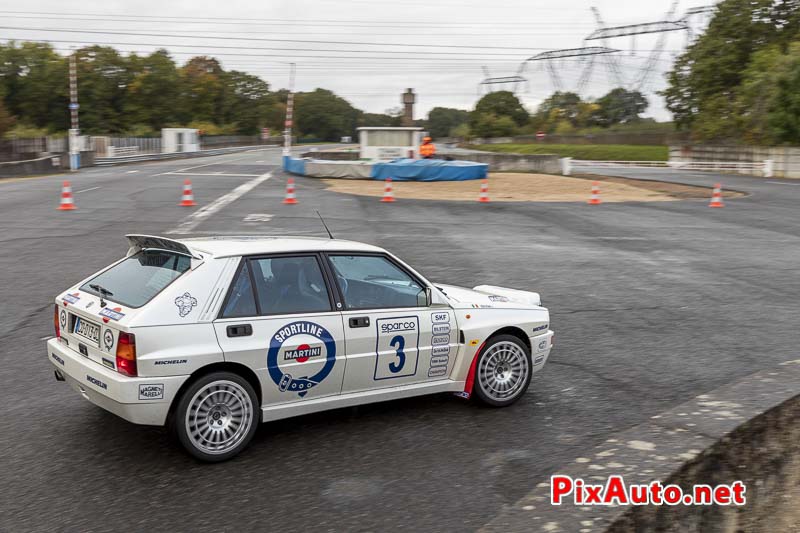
(369, 51)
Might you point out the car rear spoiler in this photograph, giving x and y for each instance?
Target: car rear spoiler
(150, 242)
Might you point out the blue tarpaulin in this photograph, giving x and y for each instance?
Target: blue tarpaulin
(398, 170)
(293, 165)
(429, 170)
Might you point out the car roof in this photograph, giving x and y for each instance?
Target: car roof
(233, 246)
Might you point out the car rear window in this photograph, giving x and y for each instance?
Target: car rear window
(137, 279)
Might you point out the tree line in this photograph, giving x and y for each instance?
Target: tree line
(140, 94)
(740, 80)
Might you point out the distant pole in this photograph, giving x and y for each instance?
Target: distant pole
(287, 132)
(74, 132)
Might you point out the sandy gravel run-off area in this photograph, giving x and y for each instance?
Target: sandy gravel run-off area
(513, 187)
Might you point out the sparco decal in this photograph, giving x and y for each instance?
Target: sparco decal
(301, 385)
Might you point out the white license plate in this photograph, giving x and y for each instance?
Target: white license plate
(88, 330)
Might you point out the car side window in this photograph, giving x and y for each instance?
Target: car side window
(241, 302)
(287, 285)
(374, 282)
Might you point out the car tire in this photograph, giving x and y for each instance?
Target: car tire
(216, 417)
(503, 371)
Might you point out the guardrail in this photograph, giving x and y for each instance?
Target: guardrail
(122, 160)
(763, 168)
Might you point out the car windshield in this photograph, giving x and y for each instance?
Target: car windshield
(137, 279)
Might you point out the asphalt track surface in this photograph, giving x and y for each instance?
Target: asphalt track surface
(652, 304)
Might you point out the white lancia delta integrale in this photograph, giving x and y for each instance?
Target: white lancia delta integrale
(210, 336)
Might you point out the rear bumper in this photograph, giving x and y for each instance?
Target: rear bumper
(138, 400)
(540, 349)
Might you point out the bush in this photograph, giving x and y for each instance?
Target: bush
(599, 152)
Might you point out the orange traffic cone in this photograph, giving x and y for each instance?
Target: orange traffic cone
(716, 196)
(388, 194)
(187, 200)
(66, 197)
(484, 197)
(595, 199)
(290, 199)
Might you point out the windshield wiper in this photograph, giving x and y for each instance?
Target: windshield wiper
(103, 292)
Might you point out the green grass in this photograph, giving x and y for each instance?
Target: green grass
(598, 152)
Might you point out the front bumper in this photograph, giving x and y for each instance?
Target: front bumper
(138, 400)
(540, 349)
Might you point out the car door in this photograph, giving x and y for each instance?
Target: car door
(392, 336)
(278, 319)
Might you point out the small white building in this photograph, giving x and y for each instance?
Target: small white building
(386, 143)
(179, 140)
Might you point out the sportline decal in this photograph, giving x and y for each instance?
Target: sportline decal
(616, 492)
(300, 353)
(111, 314)
(397, 347)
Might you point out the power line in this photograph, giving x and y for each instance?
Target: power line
(301, 41)
(275, 21)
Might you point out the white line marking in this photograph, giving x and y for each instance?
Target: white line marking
(215, 174)
(87, 190)
(132, 172)
(190, 222)
(258, 217)
(782, 183)
(221, 162)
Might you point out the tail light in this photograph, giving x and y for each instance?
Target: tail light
(126, 354)
(56, 323)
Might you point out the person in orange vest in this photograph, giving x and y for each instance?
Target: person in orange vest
(428, 149)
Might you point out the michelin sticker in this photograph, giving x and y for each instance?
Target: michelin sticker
(305, 349)
(185, 304)
(397, 347)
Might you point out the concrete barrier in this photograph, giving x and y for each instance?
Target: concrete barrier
(764, 454)
(50, 164)
(499, 162)
(784, 160)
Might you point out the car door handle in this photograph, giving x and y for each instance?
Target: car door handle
(240, 330)
(359, 322)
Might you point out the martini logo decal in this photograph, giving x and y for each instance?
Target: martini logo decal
(303, 355)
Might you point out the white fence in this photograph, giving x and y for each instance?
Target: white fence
(763, 168)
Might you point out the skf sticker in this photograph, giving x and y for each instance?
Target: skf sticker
(300, 353)
(108, 339)
(71, 298)
(112, 314)
(151, 391)
(440, 316)
(185, 304)
(96, 382)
